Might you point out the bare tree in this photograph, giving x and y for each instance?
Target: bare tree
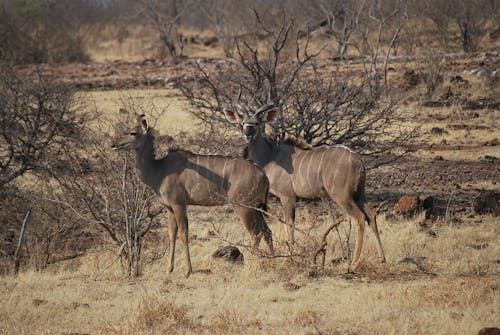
(380, 33)
(341, 20)
(217, 12)
(165, 17)
(470, 17)
(319, 105)
(437, 11)
(37, 119)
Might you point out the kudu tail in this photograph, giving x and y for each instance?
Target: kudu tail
(360, 197)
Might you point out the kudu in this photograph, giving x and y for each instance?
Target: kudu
(183, 178)
(310, 173)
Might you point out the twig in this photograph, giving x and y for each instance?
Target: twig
(19, 242)
(322, 246)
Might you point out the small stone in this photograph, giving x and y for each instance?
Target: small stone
(406, 205)
(229, 253)
(289, 286)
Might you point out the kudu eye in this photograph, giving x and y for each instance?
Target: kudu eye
(133, 133)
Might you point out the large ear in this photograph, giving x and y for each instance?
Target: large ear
(271, 115)
(232, 116)
(143, 122)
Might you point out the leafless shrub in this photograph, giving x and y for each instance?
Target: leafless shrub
(165, 17)
(433, 74)
(109, 195)
(40, 32)
(320, 107)
(341, 19)
(38, 119)
(380, 32)
(36, 232)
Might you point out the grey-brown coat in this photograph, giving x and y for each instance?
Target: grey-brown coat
(295, 172)
(182, 178)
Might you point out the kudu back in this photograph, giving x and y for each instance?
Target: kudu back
(183, 178)
(310, 173)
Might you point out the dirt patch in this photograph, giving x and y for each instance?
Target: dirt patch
(443, 179)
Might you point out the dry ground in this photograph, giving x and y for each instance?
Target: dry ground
(442, 276)
(444, 284)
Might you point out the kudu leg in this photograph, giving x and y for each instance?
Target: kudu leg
(256, 226)
(172, 237)
(289, 214)
(374, 227)
(182, 226)
(353, 210)
(359, 243)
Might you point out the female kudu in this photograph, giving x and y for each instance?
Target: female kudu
(182, 178)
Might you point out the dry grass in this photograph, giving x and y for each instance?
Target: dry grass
(175, 117)
(447, 284)
(136, 43)
(453, 290)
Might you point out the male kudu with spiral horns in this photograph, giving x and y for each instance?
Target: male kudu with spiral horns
(310, 173)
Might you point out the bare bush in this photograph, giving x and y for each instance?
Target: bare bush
(37, 117)
(165, 17)
(321, 107)
(341, 20)
(107, 193)
(40, 32)
(380, 33)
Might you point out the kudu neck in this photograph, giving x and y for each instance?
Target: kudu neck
(145, 160)
(260, 150)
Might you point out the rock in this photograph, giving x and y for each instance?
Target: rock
(210, 41)
(491, 159)
(432, 104)
(457, 79)
(410, 205)
(489, 331)
(411, 78)
(494, 142)
(426, 201)
(418, 260)
(426, 229)
(487, 202)
(229, 253)
(406, 205)
(38, 302)
(438, 131)
(289, 286)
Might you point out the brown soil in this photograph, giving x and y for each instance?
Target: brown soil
(446, 180)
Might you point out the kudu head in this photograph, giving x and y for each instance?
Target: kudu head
(132, 138)
(252, 123)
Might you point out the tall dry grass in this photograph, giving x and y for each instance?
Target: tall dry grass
(451, 288)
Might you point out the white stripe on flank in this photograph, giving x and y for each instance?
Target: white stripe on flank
(299, 173)
(309, 170)
(337, 168)
(223, 174)
(319, 167)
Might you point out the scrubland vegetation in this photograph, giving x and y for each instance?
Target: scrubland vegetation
(412, 85)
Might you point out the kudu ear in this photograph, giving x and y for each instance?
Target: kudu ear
(143, 122)
(271, 115)
(232, 116)
(266, 113)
